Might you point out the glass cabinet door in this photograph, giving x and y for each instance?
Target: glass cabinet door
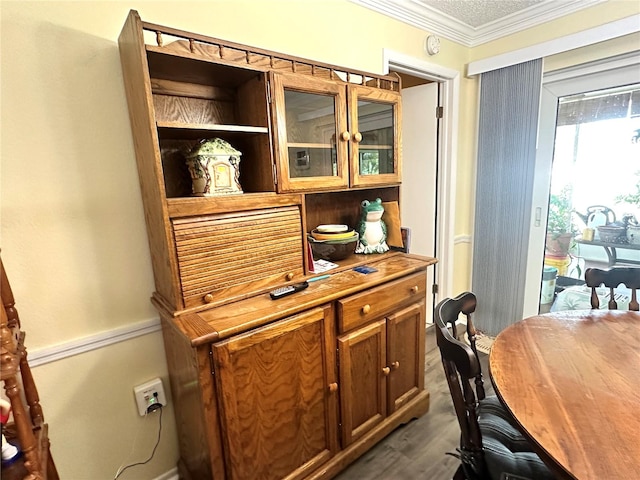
(375, 135)
(312, 138)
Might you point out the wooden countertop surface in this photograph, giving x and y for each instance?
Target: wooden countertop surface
(233, 318)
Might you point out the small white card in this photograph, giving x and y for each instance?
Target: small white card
(321, 265)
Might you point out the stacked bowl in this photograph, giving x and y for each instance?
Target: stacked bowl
(332, 242)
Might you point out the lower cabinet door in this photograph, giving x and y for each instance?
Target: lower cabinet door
(363, 381)
(405, 355)
(278, 396)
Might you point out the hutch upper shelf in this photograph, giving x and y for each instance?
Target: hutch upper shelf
(201, 87)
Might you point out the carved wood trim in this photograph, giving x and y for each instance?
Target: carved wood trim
(245, 55)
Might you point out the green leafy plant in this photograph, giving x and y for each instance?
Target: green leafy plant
(560, 229)
(559, 220)
(632, 198)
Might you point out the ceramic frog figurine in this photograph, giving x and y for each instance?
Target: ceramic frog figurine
(372, 229)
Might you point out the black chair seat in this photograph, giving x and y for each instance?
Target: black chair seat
(491, 405)
(506, 451)
(493, 417)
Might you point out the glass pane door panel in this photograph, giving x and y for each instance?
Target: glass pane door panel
(375, 150)
(595, 182)
(312, 162)
(311, 134)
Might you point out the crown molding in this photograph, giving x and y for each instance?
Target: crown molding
(427, 18)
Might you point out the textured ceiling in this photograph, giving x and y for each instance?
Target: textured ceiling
(476, 13)
(473, 22)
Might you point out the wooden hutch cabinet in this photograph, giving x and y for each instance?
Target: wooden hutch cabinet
(301, 386)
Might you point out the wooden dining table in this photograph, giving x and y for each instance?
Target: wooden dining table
(571, 380)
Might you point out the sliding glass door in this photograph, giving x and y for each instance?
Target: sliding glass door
(587, 160)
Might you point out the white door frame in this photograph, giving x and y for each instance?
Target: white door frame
(597, 75)
(446, 201)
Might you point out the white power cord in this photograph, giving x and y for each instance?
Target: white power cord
(122, 468)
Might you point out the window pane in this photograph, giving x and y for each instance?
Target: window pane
(375, 122)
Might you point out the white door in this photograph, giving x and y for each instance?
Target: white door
(589, 78)
(419, 169)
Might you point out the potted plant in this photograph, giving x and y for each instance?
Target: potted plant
(560, 229)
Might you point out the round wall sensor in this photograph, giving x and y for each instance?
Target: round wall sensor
(432, 44)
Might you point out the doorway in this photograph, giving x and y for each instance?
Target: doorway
(586, 172)
(448, 83)
(595, 182)
(418, 201)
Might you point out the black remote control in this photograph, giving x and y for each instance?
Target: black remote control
(288, 290)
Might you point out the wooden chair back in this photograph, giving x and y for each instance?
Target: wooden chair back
(490, 444)
(462, 367)
(612, 278)
(28, 428)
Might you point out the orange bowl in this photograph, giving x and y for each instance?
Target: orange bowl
(332, 236)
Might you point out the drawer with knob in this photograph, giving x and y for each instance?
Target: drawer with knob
(376, 302)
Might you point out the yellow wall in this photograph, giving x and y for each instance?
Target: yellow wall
(616, 46)
(72, 225)
(73, 236)
(579, 21)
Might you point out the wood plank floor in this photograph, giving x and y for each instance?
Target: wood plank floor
(418, 449)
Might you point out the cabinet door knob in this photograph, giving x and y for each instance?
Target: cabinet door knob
(366, 309)
(289, 276)
(208, 298)
(414, 289)
(357, 137)
(345, 136)
(395, 365)
(333, 387)
(385, 371)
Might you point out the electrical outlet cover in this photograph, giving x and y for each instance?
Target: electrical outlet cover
(149, 393)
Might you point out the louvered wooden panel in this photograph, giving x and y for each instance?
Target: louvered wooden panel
(227, 255)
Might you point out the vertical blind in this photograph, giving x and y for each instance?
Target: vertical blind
(509, 106)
